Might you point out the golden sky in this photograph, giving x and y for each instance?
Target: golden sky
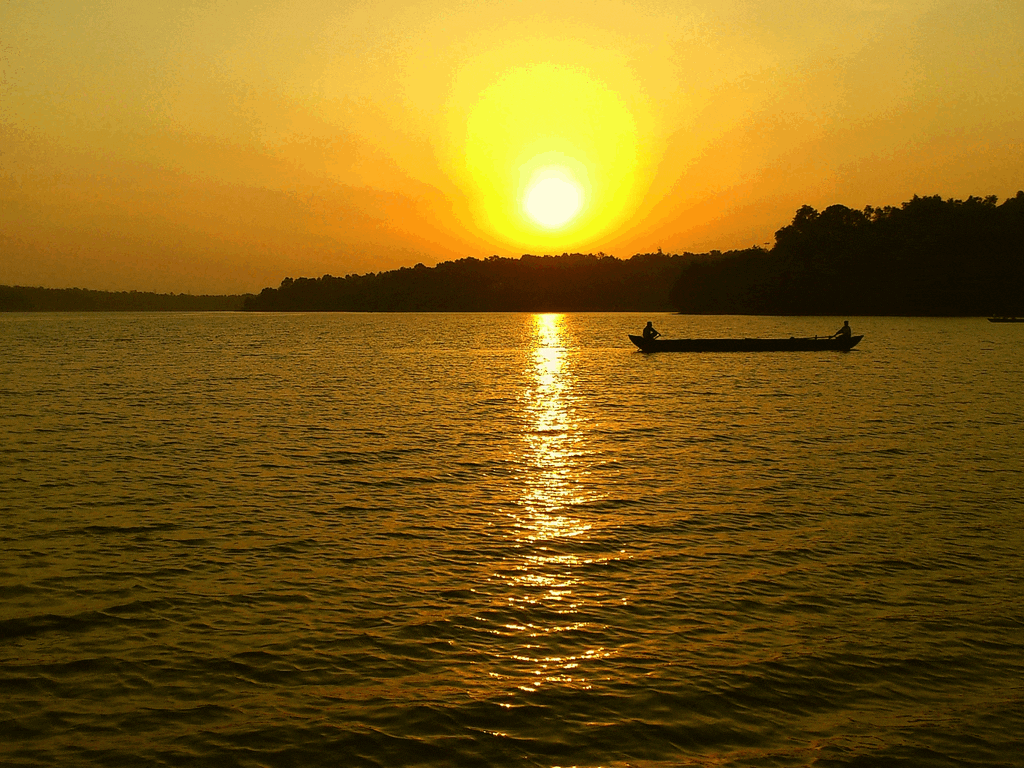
(214, 146)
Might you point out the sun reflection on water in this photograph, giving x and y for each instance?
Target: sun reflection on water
(544, 576)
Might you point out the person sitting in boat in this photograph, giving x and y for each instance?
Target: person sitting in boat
(649, 332)
(845, 332)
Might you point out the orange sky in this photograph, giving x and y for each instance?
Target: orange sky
(218, 146)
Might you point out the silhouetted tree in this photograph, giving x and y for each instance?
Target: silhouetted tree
(928, 256)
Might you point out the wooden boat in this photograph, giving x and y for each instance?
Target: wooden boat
(1006, 319)
(792, 344)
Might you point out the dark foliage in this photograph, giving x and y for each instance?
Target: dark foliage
(927, 257)
(23, 299)
(566, 283)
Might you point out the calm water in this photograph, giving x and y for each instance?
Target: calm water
(475, 540)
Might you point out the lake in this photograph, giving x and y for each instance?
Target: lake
(490, 540)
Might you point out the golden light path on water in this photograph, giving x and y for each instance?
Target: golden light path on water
(545, 581)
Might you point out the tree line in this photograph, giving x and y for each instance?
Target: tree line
(571, 282)
(15, 298)
(928, 256)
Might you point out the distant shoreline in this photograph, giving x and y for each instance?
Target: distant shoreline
(16, 298)
(928, 257)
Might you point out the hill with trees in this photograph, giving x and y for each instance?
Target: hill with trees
(928, 256)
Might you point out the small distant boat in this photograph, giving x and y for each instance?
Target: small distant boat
(1006, 319)
(792, 344)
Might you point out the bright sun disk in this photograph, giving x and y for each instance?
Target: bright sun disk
(553, 201)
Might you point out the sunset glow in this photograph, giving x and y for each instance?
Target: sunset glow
(550, 157)
(215, 148)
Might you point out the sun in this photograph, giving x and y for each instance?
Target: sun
(553, 199)
(548, 156)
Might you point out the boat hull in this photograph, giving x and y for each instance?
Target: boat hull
(793, 344)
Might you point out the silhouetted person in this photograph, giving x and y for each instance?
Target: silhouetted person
(649, 332)
(845, 332)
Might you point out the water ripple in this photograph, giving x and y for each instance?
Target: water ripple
(357, 540)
